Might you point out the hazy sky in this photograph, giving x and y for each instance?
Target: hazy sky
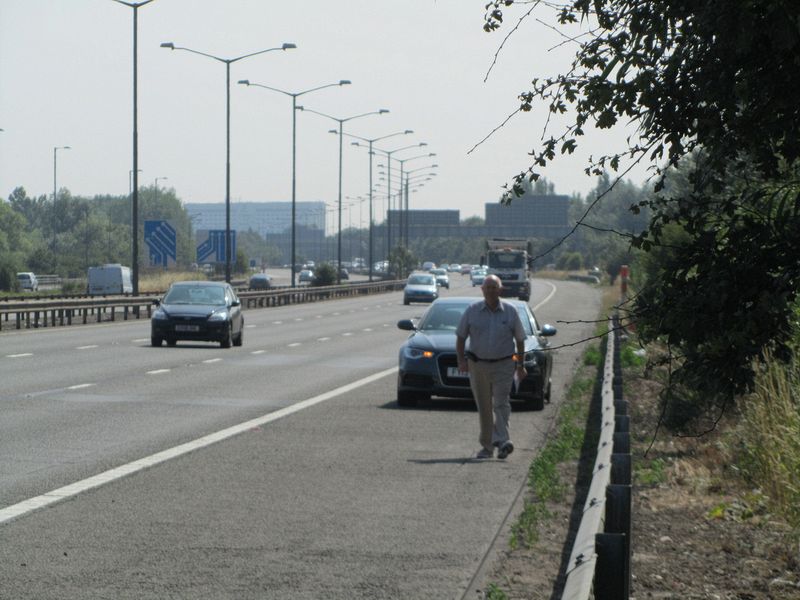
(66, 79)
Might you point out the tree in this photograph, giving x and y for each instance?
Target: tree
(704, 80)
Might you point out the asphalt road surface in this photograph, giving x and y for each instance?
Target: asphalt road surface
(281, 469)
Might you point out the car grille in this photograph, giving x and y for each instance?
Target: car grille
(449, 360)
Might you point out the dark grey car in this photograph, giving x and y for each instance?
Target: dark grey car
(208, 311)
(428, 365)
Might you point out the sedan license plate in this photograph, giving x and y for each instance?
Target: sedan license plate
(454, 372)
(193, 328)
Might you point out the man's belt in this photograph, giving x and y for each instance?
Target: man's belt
(473, 357)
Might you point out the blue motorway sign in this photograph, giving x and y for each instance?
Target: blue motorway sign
(162, 242)
(211, 246)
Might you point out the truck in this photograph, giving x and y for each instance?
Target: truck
(109, 279)
(508, 258)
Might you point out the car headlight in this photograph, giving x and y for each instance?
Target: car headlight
(160, 315)
(411, 352)
(220, 315)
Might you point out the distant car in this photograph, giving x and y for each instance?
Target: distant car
(207, 311)
(441, 277)
(260, 281)
(454, 268)
(428, 265)
(343, 274)
(465, 269)
(477, 276)
(420, 287)
(428, 365)
(27, 281)
(306, 276)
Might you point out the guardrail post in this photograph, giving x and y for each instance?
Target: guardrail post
(621, 469)
(610, 579)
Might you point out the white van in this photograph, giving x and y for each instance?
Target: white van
(28, 281)
(110, 279)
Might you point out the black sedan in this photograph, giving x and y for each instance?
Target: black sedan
(428, 364)
(208, 311)
(260, 281)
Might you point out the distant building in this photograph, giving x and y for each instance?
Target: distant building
(530, 216)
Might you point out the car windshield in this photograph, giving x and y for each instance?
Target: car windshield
(442, 317)
(420, 280)
(196, 295)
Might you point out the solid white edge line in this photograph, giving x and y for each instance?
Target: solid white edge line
(22, 508)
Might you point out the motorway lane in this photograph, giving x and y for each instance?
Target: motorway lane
(351, 498)
(78, 400)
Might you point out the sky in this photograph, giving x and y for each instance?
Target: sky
(66, 79)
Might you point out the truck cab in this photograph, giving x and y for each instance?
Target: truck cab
(507, 258)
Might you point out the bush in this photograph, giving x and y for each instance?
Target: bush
(325, 274)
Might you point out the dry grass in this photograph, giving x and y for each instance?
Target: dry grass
(150, 283)
(770, 436)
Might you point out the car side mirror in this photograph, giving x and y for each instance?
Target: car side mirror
(236, 302)
(157, 302)
(548, 330)
(406, 324)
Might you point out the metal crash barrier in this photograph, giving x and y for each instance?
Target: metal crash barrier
(600, 564)
(33, 314)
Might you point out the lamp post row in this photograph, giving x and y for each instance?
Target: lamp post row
(228, 61)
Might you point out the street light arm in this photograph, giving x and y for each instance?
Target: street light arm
(285, 46)
(134, 4)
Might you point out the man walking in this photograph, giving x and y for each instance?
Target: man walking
(494, 330)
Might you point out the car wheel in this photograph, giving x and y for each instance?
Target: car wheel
(408, 399)
(227, 341)
(239, 339)
(536, 403)
(171, 341)
(547, 391)
(406, 301)
(155, 341)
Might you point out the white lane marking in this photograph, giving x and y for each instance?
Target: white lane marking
(547, 299)
(19, 355)
(258, 352)
(80, 386)
(249, 326)
(140, 340)
(295, 344)
(212, 360)
(86, 347)
(158, 371)
(367, 329)
(336, 314)
(277, 322)
(298, 318)
(26, 506)
(323, 339)
(318, 317)
(346, 333)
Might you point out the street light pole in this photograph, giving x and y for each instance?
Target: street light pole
(135, 197)
(341, 135)
(227, 62)
(55, 195)
(371, 153)
(294, 96)
(389, 154)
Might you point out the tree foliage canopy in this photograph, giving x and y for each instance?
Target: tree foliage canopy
(708, 85)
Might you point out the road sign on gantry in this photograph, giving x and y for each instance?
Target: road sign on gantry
(211, 245)
(162, 241)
